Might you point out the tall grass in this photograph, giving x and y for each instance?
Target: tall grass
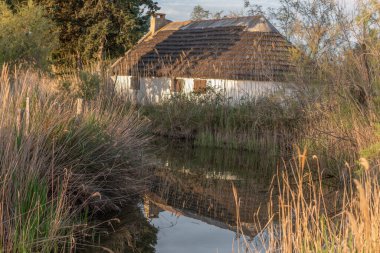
(58, 169)
(308, 216)
(322, 114)
(211, 121)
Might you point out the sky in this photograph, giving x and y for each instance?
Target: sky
(179, 10)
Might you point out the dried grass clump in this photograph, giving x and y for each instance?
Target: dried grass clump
(57, 168)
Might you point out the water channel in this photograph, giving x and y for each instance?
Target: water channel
(191, 204)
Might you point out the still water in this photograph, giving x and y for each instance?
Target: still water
(190, 206)
(191, 201)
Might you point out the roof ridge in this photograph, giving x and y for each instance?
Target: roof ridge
(225, 18)
(223, 55)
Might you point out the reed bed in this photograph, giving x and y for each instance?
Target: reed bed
(306, 215)
(61, 166)
(210, 121)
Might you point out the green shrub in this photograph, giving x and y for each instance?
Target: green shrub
(89, 85)
(26, 35)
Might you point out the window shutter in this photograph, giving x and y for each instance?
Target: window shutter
(177, 85)
(200, 86)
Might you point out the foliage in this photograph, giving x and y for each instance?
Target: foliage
(317, 26)
(199, 13)
(26, 35)
(93, 30)
(89, 85)
(211, 120)
(250, 9)
(96, 29)
(373, 150)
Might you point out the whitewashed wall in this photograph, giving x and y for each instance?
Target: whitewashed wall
(155, 89)
(152, 90)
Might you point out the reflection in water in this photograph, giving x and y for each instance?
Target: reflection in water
(188, 235)
(191, 202)
(129, 232)
(191, 199)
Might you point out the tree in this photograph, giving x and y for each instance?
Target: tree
(251, 9)
(199, 13)
(315, 25)
(26, 35)
(90, 30)
(217, 15)
(368, 36)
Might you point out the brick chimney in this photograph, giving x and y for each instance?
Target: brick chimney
(157, 21)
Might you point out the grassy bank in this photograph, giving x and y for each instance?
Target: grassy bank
(60, 167)
(333, 110)
(211, 121)
(334, 128)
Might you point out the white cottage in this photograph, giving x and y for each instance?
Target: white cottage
(242, 57)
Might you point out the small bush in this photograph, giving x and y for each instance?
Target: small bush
(89, 85)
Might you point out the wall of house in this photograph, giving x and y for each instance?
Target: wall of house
(152, 90)
(156, 89)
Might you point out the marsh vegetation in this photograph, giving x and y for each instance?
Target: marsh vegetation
(70, 169)
(61, 167)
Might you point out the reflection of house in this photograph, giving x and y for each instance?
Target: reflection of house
(153, 205)
(241, 57)
(206, 198)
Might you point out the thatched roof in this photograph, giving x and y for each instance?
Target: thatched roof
(247, 48)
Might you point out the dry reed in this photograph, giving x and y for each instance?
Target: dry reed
(307, 216)
(58, 168)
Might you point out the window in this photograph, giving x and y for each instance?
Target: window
(177, 85)
(200, 86)
(135, 83)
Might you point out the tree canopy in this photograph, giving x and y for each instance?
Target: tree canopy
(26, 35)
(199, 13)
(92, 30)
(249, 9)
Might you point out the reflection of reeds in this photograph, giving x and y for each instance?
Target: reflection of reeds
(130, 232)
